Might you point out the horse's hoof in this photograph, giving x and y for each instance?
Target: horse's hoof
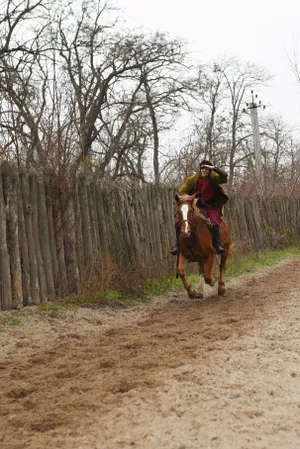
(211, 282)
(195, 295)
(221, 289)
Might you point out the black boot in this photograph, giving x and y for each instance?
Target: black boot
(217, 240)
(175, 250)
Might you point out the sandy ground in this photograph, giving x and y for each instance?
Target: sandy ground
(173, 373)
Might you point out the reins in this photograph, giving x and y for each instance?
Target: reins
(187, 243)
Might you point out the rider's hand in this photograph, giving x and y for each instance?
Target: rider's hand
(208, 167)
(195, 202)
(185, 197)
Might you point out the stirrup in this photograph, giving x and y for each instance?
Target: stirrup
(174, 251)
(219, 249)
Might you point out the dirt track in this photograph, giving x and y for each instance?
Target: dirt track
(174, 373)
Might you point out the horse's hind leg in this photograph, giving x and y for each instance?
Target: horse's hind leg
(182, 264)
(221, 287)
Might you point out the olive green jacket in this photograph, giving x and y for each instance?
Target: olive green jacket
(217, 176)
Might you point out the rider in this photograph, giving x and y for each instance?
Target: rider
(205, 185)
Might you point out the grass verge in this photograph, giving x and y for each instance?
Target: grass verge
(112, 298)
(236, 266)
(10, 321)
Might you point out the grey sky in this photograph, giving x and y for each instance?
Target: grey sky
(259, 31)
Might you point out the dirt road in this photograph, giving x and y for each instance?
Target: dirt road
(174, 373)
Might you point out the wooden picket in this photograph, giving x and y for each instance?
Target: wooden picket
(47, 243)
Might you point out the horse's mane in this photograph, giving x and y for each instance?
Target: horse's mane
(202, 224)
(200, 217)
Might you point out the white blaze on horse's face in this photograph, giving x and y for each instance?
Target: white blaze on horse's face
(185, 228)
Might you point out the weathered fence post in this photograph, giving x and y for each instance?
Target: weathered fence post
(5, 276)
(33, 264)
(10, 191)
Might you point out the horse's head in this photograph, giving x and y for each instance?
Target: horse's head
(186, 214)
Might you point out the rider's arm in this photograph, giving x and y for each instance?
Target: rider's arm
(218, 175)
(185, 197)
(188, 188)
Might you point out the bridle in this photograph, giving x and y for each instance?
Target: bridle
(184, 220)
(189, 244)
(185, 238)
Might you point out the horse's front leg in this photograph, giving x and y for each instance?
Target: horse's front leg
(181, 271)
(221, 287)
(208, 277)
(201, 277)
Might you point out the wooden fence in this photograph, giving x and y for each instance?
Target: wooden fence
(48, 244)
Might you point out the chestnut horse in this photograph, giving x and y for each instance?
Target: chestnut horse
(196, 245)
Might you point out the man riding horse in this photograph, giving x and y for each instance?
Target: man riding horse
(206, 186)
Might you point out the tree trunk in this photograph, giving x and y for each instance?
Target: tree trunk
(155, 134)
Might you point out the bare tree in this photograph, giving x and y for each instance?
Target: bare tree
(99, 63)
(221, 132)
(166, 93)
(22, 25)
(14, 40)
(240, 78)
(211, 90)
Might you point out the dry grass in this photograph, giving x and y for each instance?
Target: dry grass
(100, 275)
(104, 273)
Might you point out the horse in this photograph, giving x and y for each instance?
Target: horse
(196, 245)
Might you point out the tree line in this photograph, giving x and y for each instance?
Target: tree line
(83, 93)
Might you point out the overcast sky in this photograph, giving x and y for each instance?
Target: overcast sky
(264, 32)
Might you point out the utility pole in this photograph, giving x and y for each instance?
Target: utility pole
(253, 106)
